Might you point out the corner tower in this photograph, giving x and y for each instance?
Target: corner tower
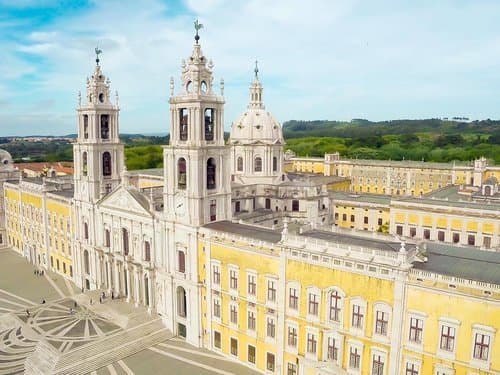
(97, 152)
(196, 162)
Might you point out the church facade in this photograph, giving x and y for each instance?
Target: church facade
(235, 256)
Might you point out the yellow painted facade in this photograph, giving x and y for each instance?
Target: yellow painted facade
(60, 231)
(39, 226)
(463, 308)
(375, 288)
(399, 178)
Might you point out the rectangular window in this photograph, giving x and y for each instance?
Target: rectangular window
(352, 218)
(335, 306)
(311, 343)
(399, 230)
(292, 336)
(447, 341)
(217, 339)
(456, 237)
(293, 299)
(379, 222)
(251, 321)
(271, 328)
(291, 369)
(344, 217)
(411, 369)
(365, 220)
(413, 232)
(234, 314)
(216, 274)
(233, 279)
(487, 242)
(377, 365)
(357, 316)
(217, 308)
(354, 358)
(234, 346)
(382, 323)
(441, 235)
(251, 354)
(181, 261)
(252, 285)
(471, 239)
(213, 210)
(332, 351)
(416, 328)
(481, 346)
(427, 234)
(271, 291)
(313, 305)
(270, 362)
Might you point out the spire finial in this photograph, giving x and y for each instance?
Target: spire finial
(256, 70)
(97, 53)
(197, 26)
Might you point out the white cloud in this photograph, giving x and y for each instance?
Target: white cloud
(318, 59)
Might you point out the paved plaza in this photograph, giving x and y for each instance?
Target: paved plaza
(82, 334)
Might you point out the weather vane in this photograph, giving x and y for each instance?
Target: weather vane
(256, 70)
(97, 53)
(197, 26)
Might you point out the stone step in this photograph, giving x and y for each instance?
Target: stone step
(109, 343)
(89, 364)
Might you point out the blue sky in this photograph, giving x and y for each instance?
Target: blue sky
(318, 59)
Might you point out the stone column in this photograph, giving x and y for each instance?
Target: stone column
(126, 272)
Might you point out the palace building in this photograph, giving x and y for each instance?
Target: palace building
(239, 256)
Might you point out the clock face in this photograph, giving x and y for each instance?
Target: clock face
(180, 205)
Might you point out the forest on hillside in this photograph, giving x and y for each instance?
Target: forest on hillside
(430, 140)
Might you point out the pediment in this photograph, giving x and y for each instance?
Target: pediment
(125, 199)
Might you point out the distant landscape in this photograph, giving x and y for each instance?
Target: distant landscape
(430, 140)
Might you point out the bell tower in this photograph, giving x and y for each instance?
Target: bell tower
(97, 152)
(197, 162)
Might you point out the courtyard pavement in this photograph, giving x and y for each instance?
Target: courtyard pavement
(21, 289)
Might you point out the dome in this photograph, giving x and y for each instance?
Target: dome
(256, 124)
(5, 161)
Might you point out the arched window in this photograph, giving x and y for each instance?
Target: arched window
(105, 126)
(85, 231)
(125, 241)
(275, 164)
(107, 238)
(183, 124)
(85, 126)
(147, 251)
(181, 302)
(211, 173)
(209, 124)
(258, 164)
(84, 163)
(239, 164)
(106, 164)
(181, 174)
(86, 262)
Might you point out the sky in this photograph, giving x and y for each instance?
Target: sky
(318, 59)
